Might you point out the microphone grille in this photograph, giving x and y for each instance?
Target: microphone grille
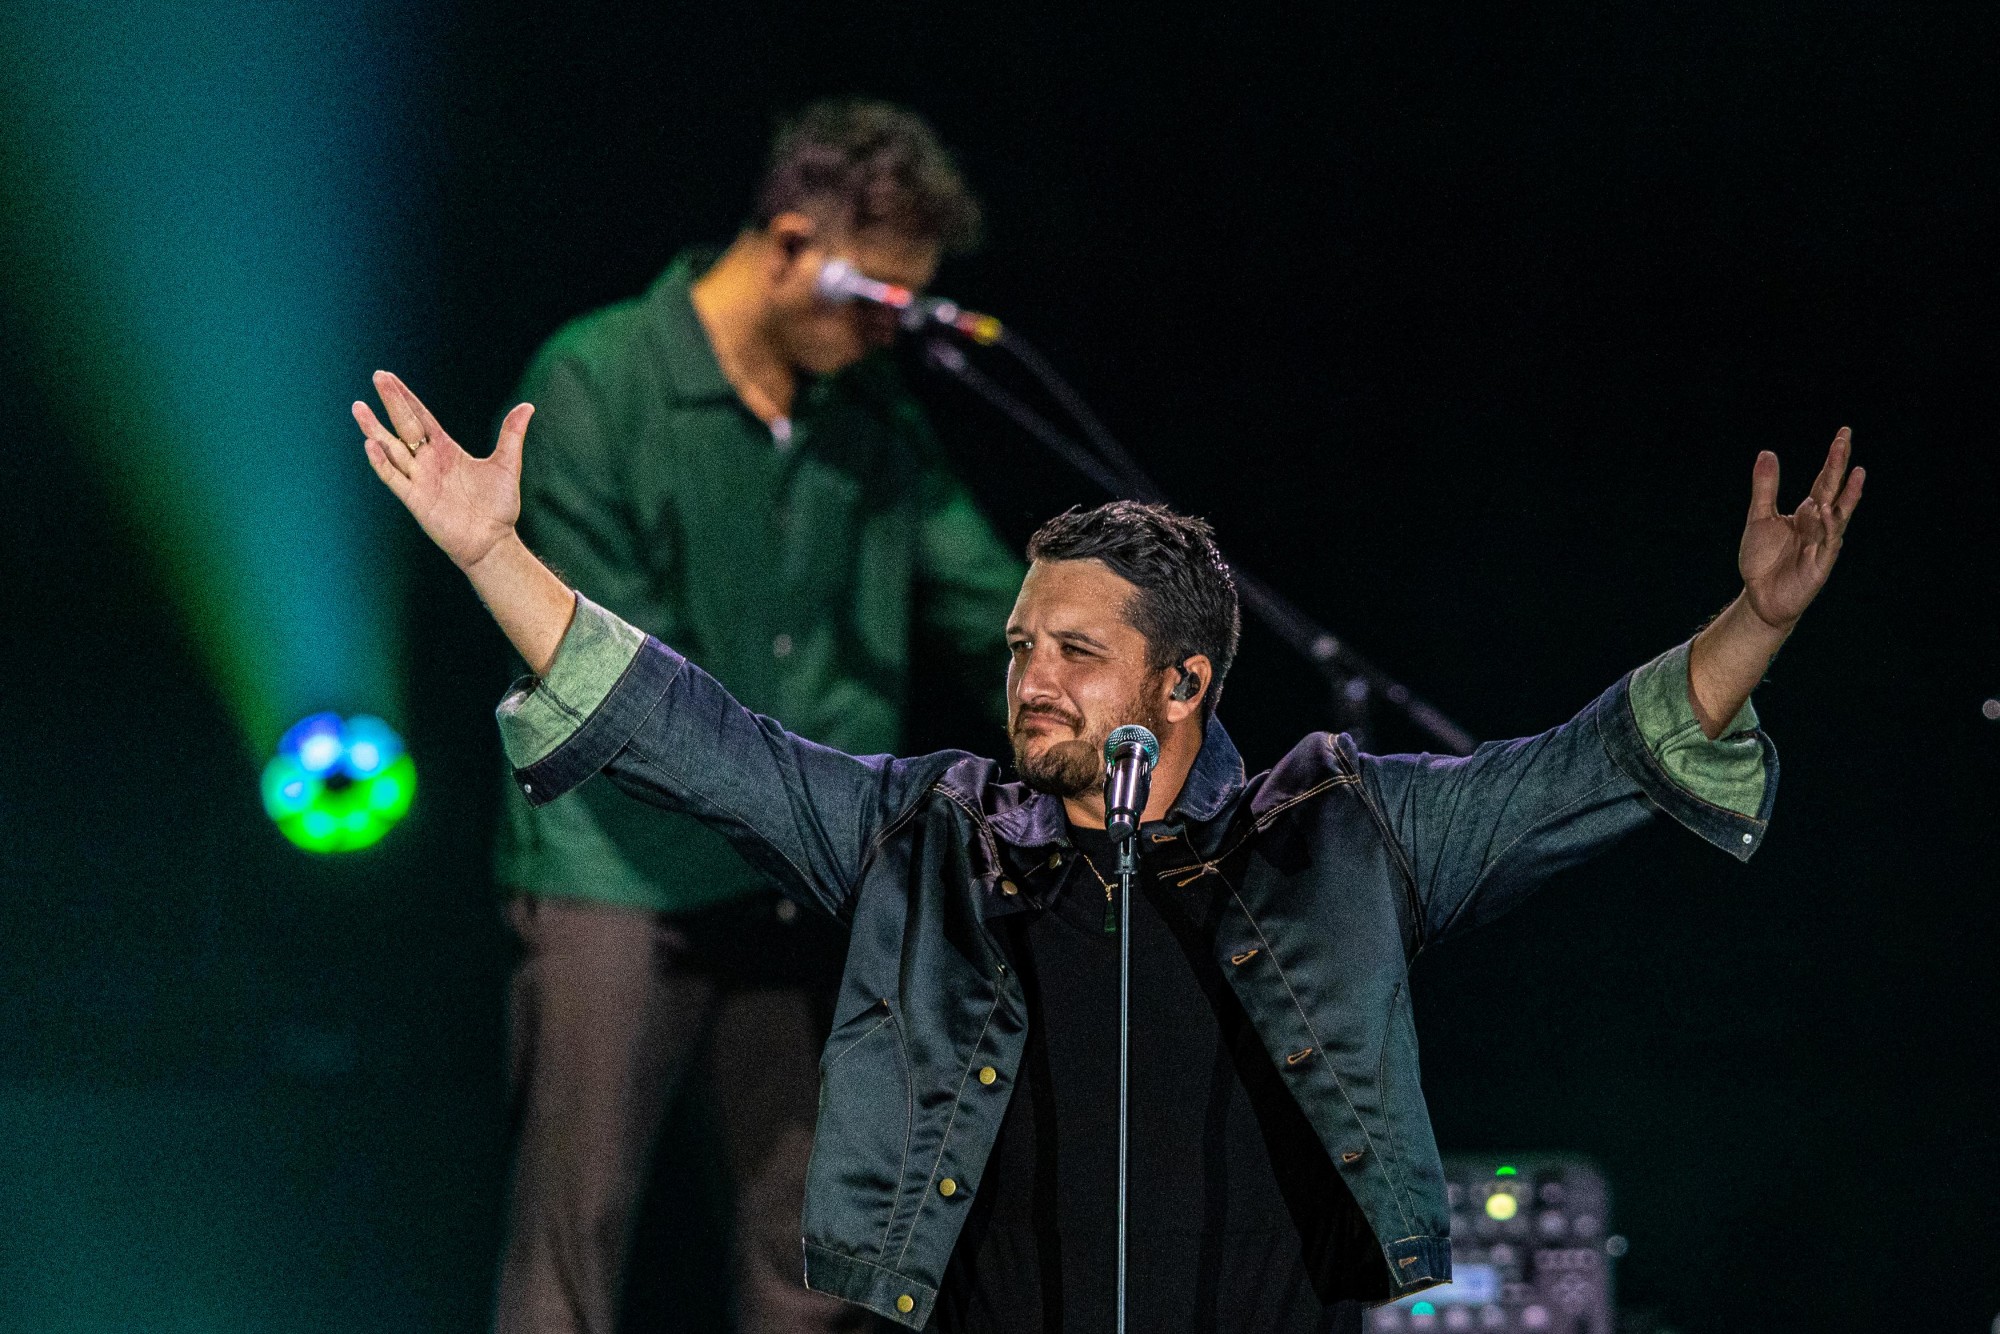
(836, 280)
(1131, 734)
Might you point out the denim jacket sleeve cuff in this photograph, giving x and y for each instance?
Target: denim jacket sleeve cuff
(563, 727)
(1723, 789)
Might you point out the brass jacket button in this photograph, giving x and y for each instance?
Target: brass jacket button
(947, 1187)
(906, 1303)
(987, 1074)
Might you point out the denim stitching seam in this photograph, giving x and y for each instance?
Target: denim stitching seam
(1332, 1073)
(945, 1142)
(1493, 861)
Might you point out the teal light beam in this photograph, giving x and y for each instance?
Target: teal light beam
(187, 229)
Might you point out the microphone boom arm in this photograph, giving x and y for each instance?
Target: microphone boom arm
(1353, 680)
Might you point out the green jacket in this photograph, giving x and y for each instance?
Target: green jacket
(1330, 872)
(793, 571)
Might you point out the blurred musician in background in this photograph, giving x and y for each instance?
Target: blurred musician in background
(729, 463)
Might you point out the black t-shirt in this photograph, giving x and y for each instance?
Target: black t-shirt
(1235, 1216)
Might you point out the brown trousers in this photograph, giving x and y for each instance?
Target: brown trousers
(609, 1009)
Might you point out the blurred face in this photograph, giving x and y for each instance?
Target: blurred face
(1076, 671)
(821, 337)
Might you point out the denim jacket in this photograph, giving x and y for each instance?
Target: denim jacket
(1336, 869)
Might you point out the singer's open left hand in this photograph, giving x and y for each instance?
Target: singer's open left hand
(1785, 558)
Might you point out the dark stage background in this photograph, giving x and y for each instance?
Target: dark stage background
(1463, 324)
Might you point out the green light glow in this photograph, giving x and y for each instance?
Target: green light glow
(1505, 1171)
(1423, 1308)
(195, 239)
(338, 786)
(326, 814)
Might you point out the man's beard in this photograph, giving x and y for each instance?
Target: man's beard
(1072, 768)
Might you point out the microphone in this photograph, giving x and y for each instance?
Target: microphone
(1129, 755)
(840, 282)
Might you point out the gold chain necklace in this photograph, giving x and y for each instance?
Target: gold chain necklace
(1110, 908)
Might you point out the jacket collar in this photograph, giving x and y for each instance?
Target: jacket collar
(1214, 783)
(685, 351)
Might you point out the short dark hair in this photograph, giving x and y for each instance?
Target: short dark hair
(1186, 602)
(878, 164)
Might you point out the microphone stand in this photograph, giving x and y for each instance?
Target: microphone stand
(1128, 871)
(1352, 681)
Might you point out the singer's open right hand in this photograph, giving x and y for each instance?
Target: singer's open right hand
(468, 506)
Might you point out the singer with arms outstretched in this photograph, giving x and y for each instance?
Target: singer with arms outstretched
(1284, 1173)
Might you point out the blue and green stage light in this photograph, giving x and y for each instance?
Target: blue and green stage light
(207, 262)
(338, 786)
